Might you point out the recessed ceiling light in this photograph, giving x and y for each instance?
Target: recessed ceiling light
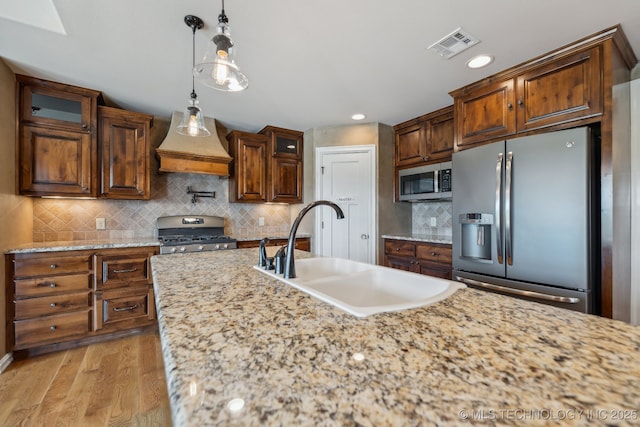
(480, 61)
(358, 116)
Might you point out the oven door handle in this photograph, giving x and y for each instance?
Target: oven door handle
(519, 292)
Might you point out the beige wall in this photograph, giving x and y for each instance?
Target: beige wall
(16, 212)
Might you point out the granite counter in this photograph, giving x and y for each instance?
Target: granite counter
(229, 332)
(444, 239)
(79, 245)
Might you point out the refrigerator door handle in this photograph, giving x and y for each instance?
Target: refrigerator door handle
(507, 209)
(518, 292)
(498, 208)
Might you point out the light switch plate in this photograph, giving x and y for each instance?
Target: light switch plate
(433, 222)
(101, 223)
(261, 221)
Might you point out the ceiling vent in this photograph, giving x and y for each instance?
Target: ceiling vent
(454, 43)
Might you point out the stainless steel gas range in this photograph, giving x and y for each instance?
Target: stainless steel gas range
(193, 233)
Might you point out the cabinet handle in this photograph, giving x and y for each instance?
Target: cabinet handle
(52, 328)
(131, 270)
(131, 307)
(45, 284)
(53, 266)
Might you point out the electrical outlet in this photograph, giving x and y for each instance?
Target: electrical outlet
(101, 223)
(261, 221)
(433, 222)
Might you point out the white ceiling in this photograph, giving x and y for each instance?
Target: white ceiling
(310, 63)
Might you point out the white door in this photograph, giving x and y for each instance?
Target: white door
(346, 176)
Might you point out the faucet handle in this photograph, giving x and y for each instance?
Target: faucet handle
(262, 252)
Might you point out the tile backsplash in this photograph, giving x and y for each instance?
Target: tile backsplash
(71, 219)
(75, 220)
(423, 212)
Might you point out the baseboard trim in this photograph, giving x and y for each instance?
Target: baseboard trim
(5, 361)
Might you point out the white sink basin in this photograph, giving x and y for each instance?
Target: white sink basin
(365, 289)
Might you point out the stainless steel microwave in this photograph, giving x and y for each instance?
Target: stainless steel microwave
(430, 182)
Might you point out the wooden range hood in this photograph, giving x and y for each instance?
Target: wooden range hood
(181, 153)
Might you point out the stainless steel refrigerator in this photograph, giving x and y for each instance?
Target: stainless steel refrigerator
(524, 218)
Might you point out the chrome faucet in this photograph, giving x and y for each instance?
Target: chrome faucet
(289, 266)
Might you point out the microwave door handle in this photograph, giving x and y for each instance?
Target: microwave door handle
(498, 207)
(436, 181)
(507, 209)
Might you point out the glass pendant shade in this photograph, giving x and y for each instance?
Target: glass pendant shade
(192, 123)
(218, 69)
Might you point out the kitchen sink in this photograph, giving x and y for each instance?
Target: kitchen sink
(364, 289)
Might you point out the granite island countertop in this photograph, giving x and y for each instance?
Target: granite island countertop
(230, 332)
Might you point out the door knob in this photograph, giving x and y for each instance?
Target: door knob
(364, 236)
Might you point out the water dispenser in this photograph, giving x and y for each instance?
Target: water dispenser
(476, 236)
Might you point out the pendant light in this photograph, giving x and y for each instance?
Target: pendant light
(192, 123)
(218, 68)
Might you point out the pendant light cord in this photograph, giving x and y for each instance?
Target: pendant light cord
(193, 63)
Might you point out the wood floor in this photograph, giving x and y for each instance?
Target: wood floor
(115, 383)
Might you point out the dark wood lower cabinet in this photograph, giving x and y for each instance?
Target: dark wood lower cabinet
(431, 259)
(63, 299)
(302, 243)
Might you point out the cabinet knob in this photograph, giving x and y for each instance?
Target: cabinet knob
(84, 126)
(53, 304)
(397, 249)
(433, 254)
(52, 327)
(510, 106)
(53, 266)
(425, 158)
(52, 285)
(520, 102)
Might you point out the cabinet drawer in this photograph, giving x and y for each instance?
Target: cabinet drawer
(121, 271)
(44, 330)
(397, 247)
(441, 254)
(125, 309)
(51, 266)
(56, 304)
(52, 285)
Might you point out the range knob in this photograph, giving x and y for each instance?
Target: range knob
(200, 248)
(225, 246)
(182, 249)
(217, 247)
(172, 250)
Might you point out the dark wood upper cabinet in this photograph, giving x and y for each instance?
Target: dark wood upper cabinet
(554, 92)
(487, 112)
(440, 134)
(124, 148)
(56, 139)
(564, 90)
(248, 182)
(411, 142)
(267, 166)
(425, 139)
(284, 164)
(69, 146)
